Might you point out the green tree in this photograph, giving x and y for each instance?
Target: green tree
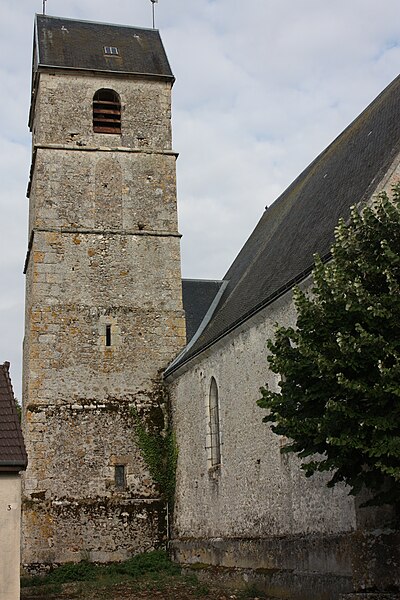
(339, 398)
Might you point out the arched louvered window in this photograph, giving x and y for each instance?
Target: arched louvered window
(215, 437)
(106, 112)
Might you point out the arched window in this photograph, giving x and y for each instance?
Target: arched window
(106, 112)
(215, 438)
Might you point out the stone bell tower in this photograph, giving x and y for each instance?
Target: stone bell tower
(103, 287)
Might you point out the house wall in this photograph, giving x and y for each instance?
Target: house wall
(10, 517)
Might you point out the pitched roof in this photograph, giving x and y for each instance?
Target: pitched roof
(12, 448)
(301, 221)
(197, 296)
(70, 44)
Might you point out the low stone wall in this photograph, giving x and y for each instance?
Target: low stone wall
(99, 531)
(309, 567)
(375, 560)
(296, 567)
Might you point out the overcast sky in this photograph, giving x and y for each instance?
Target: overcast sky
(262, 87)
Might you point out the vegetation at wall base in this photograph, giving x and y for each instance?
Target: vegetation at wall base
(145, 576)
(157, 443)
(137, 566)
(339, 367)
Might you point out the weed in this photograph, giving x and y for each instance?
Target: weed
(144, 564)
(83, 571)
(251, 592)
(191, 579)
(201, 590)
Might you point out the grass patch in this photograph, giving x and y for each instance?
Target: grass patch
(152, 565)
(142, 574)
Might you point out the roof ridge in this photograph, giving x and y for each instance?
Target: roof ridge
(6, 370)
(40, 15)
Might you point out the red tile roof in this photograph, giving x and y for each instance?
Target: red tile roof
(12, 448)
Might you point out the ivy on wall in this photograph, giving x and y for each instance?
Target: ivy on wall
(157, 443)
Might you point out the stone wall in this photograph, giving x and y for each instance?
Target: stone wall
(257, 490)
(103, 317)
(63, 111)
(257, 510)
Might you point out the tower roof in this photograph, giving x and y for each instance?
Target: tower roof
(301, 222)
(83, 45)
(12, 448)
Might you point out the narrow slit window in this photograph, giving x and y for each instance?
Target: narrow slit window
(108, 335)
(120, 476)
(215, 436)
(106, 112)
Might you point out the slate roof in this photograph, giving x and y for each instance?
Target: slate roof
(301, 221)
(71, 44)
(197, 296)
(12, 448)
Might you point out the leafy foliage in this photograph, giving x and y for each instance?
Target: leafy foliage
(157, 443)
(19, 408)
(339, 398)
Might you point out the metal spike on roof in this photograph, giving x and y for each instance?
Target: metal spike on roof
(153, 2)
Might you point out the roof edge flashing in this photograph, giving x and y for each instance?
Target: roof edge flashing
(206, 319)
(203, 280)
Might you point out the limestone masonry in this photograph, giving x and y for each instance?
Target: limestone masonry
(103, 308)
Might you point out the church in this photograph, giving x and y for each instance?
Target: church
(114, 337)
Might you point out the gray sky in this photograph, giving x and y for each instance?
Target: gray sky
(262, 87)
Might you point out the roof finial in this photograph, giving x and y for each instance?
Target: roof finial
(44, 6)
(153, 3)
